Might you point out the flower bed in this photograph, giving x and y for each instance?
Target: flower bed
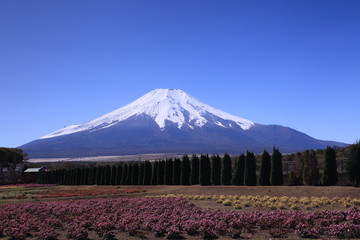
(85, 192)
(169, 217)
(273, 203)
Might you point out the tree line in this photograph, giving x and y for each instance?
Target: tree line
(203, 170)
(9, 159)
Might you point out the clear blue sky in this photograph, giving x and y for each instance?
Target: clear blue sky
(294, 63)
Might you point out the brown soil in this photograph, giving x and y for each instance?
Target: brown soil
(278, 191)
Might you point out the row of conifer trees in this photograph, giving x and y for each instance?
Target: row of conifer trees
(203, 170)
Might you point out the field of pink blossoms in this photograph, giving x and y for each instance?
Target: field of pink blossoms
(165, 217)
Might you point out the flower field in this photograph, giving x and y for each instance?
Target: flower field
(165, 217)
(272, 203)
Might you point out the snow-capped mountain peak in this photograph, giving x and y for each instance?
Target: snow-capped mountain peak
(162, 105)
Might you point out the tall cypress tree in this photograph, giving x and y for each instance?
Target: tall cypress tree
(250, 169)
(129, 175)
(276, 175)
(168, 172)
(103, 175)
(147, 173)
(226, 170)
(119, 170)
(314, 172)
(215, 170)
(135, 174)
(306, 168)
(154, 175)
(70, 177)
(195, 171)
(107, 175)
(98, 175)
(124, 174)
(61, 176)
(161, 173)
(296, 176)
(113, 175)
(64, 178)
(141, 174)
(353, 163)
(330, 175)
(88, 176)
(264, 178)
(238, 178)
(176, 171)
(91, 175)
(78, 176)
(205, 170)
(83, 176)
(185, 170)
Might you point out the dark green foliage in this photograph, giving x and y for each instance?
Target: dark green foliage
(86, 177)
(113, 175)
(226, 170)
(107, 175)
(135, 174)
(238, 178)
(195, 162)
(168, 172)
(264, 178)
(82, 176)
(306, 169)
(215, 170)
(124, 174)
(330, 175)
(9, 158)
(119, 170)
(101, 177)
(353, 164)
(147, 173)
(314, 169)
(73, 176)
(250, 169)
(141, 174)
(129, 175)
(185, 170)
(77, 176)
(97, 175)
(176, 171)
(297, 179)
(205, 170)
(276, 175)
(91, 176)
(64, 182)
(161, 173)
(310, 169)
(155, 173)
(67, 176)
(294, 180)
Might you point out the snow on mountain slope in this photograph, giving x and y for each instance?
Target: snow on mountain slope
(162, 105)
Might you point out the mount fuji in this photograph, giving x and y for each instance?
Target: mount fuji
(168, 121)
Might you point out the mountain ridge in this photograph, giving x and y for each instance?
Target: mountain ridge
(169, 120)
(162, 105)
